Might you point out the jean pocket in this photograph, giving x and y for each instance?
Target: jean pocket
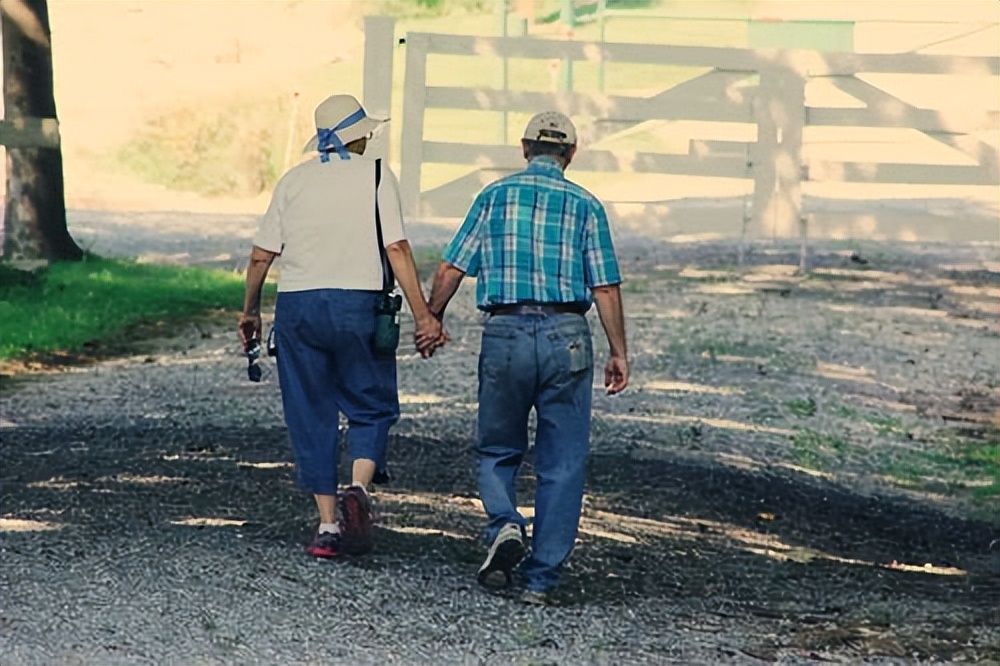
(495, 356)
(581, 353)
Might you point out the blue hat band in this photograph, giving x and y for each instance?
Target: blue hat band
(328, 140)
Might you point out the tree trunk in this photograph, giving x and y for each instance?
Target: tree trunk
(35, 213)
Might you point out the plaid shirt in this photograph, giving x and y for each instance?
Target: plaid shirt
(535, 237)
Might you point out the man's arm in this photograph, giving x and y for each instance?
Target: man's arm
(428, 327)
(446, 281)
(250, 324)
(609, 309)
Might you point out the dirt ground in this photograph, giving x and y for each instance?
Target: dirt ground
(788, 479)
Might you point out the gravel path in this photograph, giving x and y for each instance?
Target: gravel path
(149, 514)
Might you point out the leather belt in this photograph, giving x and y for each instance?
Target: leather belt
(538, 309)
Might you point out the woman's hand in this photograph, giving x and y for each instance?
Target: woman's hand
(429, 335)
(249, 329)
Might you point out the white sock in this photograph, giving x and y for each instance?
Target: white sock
(329, 528)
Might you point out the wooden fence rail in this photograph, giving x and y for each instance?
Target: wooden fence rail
(775, 104)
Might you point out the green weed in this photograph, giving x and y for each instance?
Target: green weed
(635, 285)
(963, 464)
(886, 425)
(801, 408)
(814, 448)
(427, 260)
(846, 412)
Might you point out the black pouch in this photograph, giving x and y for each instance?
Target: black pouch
(387, 323)
(388, 305)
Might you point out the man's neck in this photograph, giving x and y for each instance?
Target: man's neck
(548, 158)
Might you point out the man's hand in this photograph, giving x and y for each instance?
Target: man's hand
(249, 329)
(428, 348)
(616, 375)
(609, 308)
(429, 335)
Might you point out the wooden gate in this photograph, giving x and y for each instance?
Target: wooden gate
(766, 88)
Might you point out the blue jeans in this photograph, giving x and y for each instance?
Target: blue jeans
(545, 363)
(326, 367)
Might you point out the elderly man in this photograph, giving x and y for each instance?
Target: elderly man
(542, 250)
(336, 221)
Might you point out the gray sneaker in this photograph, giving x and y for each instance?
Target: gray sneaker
(504, 554)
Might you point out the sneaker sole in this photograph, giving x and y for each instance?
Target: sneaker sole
(322, 553)
(505, 558)
(359, 537)
(532, 598)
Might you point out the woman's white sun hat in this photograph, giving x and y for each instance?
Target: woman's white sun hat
(340, 119)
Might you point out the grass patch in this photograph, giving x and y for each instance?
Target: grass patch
(814, 449)
(68, 305)
(846, 412)
(801, 408)
(427, 260)
(887, 426)
(635, 285)
(714, 348)
(955, 464)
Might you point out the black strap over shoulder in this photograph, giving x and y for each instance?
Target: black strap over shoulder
(387, 277)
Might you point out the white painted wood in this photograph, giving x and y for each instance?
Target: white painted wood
(790, 170)
(814, 63)
(763, 160)
(887, 172)
(925, 120)
(414, 103)
(811, 63)
(709, 148)
(654, 54)
(380, 41)
(982, 152)
(777, 106)
(776, 158)
(628, 109)
(510, 157)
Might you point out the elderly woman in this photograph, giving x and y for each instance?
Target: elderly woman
(336, 223)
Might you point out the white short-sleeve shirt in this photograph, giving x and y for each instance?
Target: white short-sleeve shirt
(321, 221)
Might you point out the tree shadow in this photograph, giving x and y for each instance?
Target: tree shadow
(701, 537)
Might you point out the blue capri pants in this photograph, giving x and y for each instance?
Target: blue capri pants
(326, 366)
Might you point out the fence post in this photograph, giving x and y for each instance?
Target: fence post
(568, 17)
(500, 9)
(602, 10)
(377, 92)
(414, 102)
(777, 156)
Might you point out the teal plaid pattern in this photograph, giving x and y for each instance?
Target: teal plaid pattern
(535, 237)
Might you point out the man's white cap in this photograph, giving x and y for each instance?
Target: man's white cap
(551, 127)
(346, 112)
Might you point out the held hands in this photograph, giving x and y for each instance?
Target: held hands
(249, 329)
(429, 335)
(616, 375)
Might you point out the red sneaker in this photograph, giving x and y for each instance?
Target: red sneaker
(356, 521)
(325, 545)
